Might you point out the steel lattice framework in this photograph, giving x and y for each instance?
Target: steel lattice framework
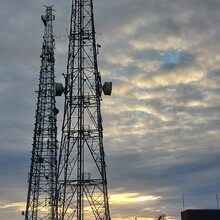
(82, 169)
(41, 199)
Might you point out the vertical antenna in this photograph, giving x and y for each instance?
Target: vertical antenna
(82, 170)
(183, 202)
(217, 200)
(41, 199)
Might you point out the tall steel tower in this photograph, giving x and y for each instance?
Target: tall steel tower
(82, 168)
(41, 199)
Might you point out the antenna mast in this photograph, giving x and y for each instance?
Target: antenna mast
(82, 169)
(41, 199)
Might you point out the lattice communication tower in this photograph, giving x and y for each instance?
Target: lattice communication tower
(41, 199)
(82, 168)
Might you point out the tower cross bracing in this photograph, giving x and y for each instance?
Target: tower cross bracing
(41, 199)
(82, 168)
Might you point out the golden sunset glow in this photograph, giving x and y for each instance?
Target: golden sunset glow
(20, 206)
(131, 198)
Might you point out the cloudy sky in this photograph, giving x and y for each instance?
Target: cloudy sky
(162, 122)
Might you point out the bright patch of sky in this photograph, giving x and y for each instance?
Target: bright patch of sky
(172, 57)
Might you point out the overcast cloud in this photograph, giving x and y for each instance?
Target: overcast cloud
(162, 122)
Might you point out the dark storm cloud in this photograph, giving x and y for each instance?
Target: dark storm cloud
(153, 170)
(14, 161)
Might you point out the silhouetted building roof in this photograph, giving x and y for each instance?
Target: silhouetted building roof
(200, 214)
